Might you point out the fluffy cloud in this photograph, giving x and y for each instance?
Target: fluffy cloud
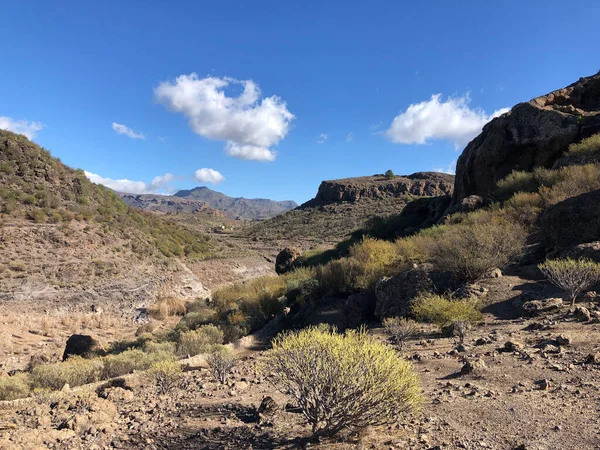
(249, 125)
(129, 186)
(208, 176)
(28, 129)
(123, 129)
(450, 170)
(322, 138)
(450, 120)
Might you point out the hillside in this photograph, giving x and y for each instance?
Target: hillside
(244, 208)
(169, 204)
(346, 205)
(70, 243)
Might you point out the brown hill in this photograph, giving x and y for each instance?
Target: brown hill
(343, 206)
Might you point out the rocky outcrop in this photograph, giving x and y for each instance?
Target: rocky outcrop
(421, 213)
(395, 295)
(573, 221)
(82, 345)
(422, 184)
(535, 133)
(285, 260)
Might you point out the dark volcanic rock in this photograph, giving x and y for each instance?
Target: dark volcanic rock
(422, 213)
(532, 134)
(378, 186)
(285, 260)
(395, 295)
(82, 345)
(573, 221)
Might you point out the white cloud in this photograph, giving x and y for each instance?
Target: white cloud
(123, 129)
(249, 125)
(129, 186)
(208, 176)
(450, 120)
(450, 170)
(28, 129)
(350, 137)
(322, 138)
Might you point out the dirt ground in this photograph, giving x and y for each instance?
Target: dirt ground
(537, 393)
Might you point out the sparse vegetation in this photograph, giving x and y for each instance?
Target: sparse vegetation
(166, 306)
(12, 388)
(220, 362)
(587, 146)
(572, 275)
(444, 311)
(165, 375)
(345, 381)
(389, 174)
(198, 341)
(400, 329)
(74, 372)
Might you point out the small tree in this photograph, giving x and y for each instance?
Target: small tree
(572, 275)
(389, 174)
(345, 381)
(165, 375)
(220, 362)
(400, 329)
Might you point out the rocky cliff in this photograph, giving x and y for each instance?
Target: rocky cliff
(534, 133)
(168, 204)
(420, 184)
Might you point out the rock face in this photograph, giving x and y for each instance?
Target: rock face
(378, 186)
(422, 213)
(532, 134)
(285, 260)
(81, 345)
(573, 221)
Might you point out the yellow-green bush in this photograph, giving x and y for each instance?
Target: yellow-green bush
(524, 208)
(444, 311)
(134, 359)
(166, 306)
(572, 275)
(199, 341)
(195, 319)
(345, 381)
(74, 372)
(400, 329)
(12, 388)
(572, 181)
(376, 258)
(165, 375)
(586, 146)
(220, 361)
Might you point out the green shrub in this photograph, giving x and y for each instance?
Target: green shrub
(165, 375)
(590, 145)
(198, 341)
(12, 388)
(339, 277)
(376, 259)
(470, 250)
(195, 319)
(400, 329)
(389, 174)
(572, 181)
(124, 363)
(444, 311)
(160, 347)
(341, 382)
(220, 362)
(74, 372)
(524, 208)
(572, 275)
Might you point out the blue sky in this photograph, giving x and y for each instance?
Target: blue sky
(286, 94)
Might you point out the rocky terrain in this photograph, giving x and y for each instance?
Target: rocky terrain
(342, 207)
(519, 370)
(169, 204)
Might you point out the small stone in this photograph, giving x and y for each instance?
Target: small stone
(593, 358)
(582, 314)
(513, 346)
(563, 339)
(477, 365)
(543, 384)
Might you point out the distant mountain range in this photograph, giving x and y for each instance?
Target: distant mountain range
(205, 200)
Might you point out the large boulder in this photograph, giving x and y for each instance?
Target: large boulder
(532, 134)
(590, 250)
(285, 260)
(572, 222)
(82, 345)
(395, 295)
(421, 213)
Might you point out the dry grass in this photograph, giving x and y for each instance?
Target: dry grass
(167, 306)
